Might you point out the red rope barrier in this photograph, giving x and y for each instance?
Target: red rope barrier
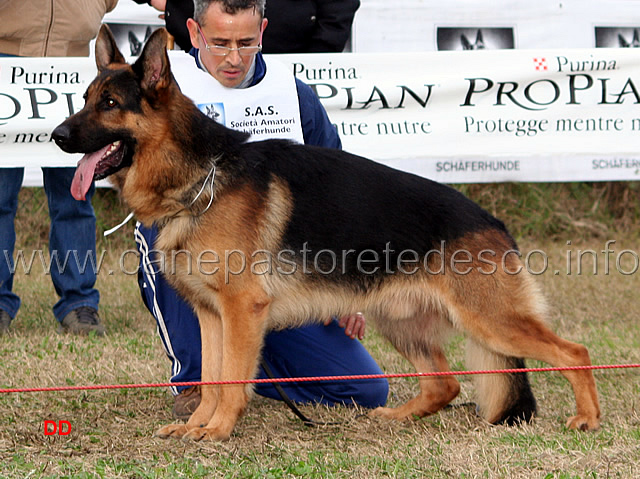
(316, 378)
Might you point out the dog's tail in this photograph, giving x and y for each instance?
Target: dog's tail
(501, 398)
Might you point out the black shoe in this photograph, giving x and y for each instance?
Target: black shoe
(82, 321)
(5, 321)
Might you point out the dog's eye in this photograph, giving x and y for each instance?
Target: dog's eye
(108, 102)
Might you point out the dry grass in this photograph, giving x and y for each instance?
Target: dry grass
(112, 430)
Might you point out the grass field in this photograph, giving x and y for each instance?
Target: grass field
(112, 430)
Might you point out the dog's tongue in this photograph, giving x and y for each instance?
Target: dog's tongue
(84, 173)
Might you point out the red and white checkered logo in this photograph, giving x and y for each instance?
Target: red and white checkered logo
(540, 64)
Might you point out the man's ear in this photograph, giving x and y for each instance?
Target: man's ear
(192, 26)
(153, 64)
(106, 49)
(263, 26)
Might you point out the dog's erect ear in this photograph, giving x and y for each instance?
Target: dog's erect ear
(106, 49)
(153, 64)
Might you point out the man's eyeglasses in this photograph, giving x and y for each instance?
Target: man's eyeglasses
(221, 51)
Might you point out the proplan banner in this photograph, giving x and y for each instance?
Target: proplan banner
(489, 115)
(454, 116)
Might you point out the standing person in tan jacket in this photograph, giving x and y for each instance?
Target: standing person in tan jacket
(53, 28)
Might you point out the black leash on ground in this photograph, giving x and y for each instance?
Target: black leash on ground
(310, 422)
(287, 400)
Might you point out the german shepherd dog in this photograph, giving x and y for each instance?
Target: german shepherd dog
(315, 233)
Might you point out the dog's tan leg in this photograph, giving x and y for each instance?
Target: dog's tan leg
(435, 392)
(243, 326)
(527, 336)
(211, 334)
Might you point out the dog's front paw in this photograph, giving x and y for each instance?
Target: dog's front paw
(171, 430)
(583, 423)
(206, 434)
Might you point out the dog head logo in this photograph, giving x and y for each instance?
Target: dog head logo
(135, 45)
(215, 111)
(477, 45)
(475, 38)
(617, 37)
(634, 43)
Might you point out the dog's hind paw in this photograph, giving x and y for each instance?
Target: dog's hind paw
(583, 423)
(171, 430)
(395, 414)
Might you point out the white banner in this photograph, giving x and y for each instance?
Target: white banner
(453, 116)
(411, 25)
(485, 116)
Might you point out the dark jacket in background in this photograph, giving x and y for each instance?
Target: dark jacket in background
(295, 26)
(308, 26)
(175, 17)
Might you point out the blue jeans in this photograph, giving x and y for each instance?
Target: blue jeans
(72, 239)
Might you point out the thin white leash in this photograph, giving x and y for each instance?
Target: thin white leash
(211, 175)
(116, 228)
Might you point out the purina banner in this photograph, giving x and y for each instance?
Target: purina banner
(483, 116)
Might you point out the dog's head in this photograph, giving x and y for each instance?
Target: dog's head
(117, 118)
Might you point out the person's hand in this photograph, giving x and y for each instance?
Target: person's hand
(159, 5)
(354, 325)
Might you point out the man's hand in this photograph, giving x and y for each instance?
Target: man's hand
(353, 324)
(160, 5)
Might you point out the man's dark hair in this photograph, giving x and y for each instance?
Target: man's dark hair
(229, 6)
